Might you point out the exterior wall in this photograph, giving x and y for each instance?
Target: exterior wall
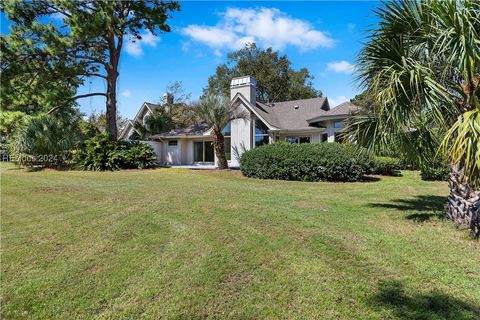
(241, 137)
(173, 153)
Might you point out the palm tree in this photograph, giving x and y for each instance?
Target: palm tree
(217, 111)
(158, 122)
(421, 65)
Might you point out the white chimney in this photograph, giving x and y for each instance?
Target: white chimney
(247, 86)
(167, 98)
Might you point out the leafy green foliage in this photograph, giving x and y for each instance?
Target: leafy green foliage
(11, 120)
(276, 79)
(101, 153)
(306, 162)
(139, 155)
(437, 172)
(157, 122)
(421, 71)
(45, 141)
(386, 166)
(43, 63)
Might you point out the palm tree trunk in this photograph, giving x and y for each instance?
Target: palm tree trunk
(463, 206)
(219, 146)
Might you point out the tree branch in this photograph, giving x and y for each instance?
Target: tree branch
(88, 74)
(79, 97)
(89, 95)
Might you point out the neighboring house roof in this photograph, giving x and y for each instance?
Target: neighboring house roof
(195, 130)
(126, 129)
(340, 111)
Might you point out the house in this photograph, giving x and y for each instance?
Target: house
(146, 109)
(298, 121)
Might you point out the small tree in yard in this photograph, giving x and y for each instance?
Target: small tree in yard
(217, 111)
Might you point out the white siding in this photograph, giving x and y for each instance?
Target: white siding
(173, 153)
(241, 138)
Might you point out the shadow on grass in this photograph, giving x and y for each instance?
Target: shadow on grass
(370, 179)
(424, 207)
(435, 305)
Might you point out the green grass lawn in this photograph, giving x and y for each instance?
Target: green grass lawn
(182, 244)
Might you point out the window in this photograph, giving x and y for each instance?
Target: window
(338, 124)
(298, 139)
(324, 137)
(304, 139)
(203, 151)
(172, 143)
(261, 133)
(227, 134)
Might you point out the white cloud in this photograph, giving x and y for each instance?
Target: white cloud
(268, 27)
(335, 101)
(341, 67)
(126, 93)
(134, 47)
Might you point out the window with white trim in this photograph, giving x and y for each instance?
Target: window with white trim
(227, 135)
(261, 133)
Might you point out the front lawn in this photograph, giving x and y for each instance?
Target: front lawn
(173, 243)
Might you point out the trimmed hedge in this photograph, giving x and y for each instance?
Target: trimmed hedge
(386, 166)
(306, 162)
(437, 171)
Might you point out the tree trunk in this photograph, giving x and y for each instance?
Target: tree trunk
(463, 206)
(219, 146)
(112, 102)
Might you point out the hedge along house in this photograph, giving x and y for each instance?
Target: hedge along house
(298, 121)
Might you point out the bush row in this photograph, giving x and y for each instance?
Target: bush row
(306, 162)
(386, 166)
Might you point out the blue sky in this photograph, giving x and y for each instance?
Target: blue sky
(325, 37)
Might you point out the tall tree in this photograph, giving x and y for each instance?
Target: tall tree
(217, 111)
(422, 68)
(88, 42)
(276, 79)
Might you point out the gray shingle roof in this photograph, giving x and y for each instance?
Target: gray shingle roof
(342, 110)
(195, 130)
(298, 114)
(293, 115)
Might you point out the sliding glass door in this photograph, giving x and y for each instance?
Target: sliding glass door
(203, 151)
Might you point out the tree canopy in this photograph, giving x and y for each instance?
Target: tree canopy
(54, 45)
(276, 79)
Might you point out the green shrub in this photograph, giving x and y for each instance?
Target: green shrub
(101, 153)
(305, 162)
(386, 166)
(139, 155)
(436, 171)
(43, 141)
